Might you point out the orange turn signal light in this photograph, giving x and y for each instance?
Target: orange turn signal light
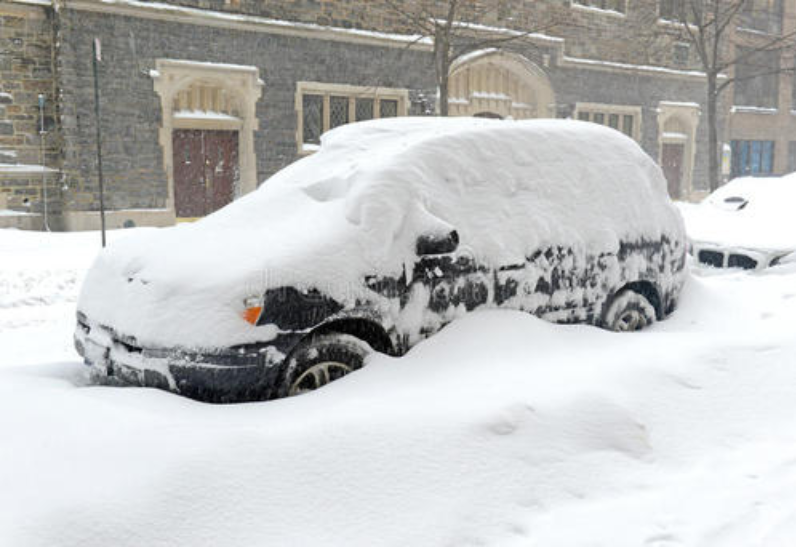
(252, 314)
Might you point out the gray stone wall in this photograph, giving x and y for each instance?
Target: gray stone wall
(131, 110)
(575, 85)
(26, 70)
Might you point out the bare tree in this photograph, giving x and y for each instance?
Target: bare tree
(710, 26)
(456, 28)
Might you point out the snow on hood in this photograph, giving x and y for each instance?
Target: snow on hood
(357, 206)
(747, 212)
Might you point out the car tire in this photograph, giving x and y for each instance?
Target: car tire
(320, 360)
(628, 311)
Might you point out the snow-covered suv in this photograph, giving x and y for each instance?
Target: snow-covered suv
(390, 231)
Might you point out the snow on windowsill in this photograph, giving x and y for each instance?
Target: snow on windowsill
(672, 23)
(690, 104)
(753, 110)
(206, 115)
(675, 136)
(632, 67)
(34, 2)
(25, 168)
(508, 32)
(757, 32)
(490, 95)
(309, 148)
(15, 213)
(601, 11)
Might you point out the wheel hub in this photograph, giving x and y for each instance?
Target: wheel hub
(317, 376)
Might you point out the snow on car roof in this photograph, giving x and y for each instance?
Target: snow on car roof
(506, 186)
(747, 212)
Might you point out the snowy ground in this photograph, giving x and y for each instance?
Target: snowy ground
(503, 429)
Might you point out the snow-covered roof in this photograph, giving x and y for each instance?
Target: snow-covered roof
(751, 212)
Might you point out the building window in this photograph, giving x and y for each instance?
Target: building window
(670, 9)
(762, 15)
(322, 107)
(623, 118)
(312, 107)
(680, 54)
(609, 5)
(791, 156)
(752, 157)
(677, 10)
(757, 78)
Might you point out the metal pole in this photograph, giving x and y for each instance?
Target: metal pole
(42, 158)
(96, 57)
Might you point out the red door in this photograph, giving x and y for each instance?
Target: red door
(206, 170)
(672, 164)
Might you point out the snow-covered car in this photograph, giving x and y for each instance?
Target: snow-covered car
(392, 230)
(749, 223)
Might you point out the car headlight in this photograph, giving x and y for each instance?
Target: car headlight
(252, 309)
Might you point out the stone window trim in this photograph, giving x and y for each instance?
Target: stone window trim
(240, 83)
(607, 110)
(588, 6)
(352, 93)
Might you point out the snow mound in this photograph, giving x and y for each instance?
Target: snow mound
(500, 430)
(751, 212)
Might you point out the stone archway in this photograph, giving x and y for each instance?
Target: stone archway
(505, 85)
(209, 101)
(677, 124)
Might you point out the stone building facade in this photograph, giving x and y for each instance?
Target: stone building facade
(202, 100)
(762, 119)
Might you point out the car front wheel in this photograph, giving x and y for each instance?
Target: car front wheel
(628, 312)
(320, 360)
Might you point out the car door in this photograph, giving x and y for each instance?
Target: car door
(447, 281)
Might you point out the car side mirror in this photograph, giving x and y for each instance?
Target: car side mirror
(436, 244)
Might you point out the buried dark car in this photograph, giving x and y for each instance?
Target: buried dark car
(391, 231)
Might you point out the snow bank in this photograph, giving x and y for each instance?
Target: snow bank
(357, 206)
(501, 430)
(767, 221)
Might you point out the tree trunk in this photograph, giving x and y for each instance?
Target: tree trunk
(714, 147)
(442, 67)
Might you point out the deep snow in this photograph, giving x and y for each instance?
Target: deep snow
(766, 221)
(501, 429)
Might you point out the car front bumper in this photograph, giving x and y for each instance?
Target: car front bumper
(236, 374)
(728, 257)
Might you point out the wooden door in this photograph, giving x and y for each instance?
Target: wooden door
(206, 170)
(672, 164)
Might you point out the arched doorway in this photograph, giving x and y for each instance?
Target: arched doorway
(677, 124)
(497, 84)
(208, 133)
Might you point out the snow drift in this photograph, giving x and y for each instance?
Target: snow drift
(748, 212)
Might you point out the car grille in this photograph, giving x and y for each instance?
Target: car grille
(742, 261)
(711, 258)
(716, 258)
